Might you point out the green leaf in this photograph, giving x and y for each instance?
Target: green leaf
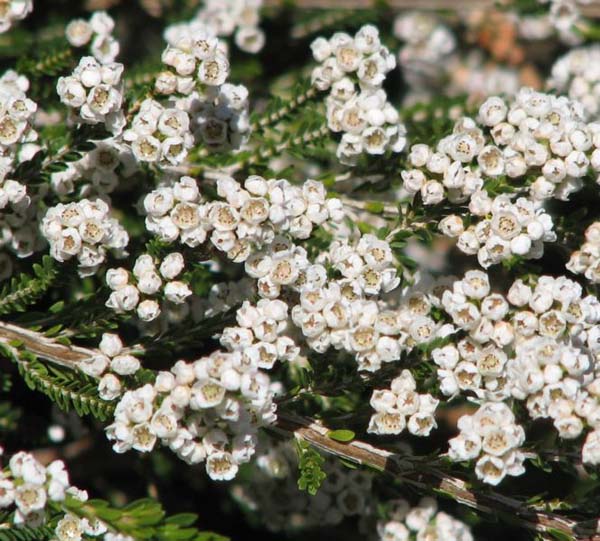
(182, 519)
(341, 435)
(559, 535)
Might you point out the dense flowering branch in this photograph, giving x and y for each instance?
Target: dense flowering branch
(426, 475)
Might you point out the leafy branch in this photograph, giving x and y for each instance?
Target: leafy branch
(423, 474)
(143, 519)
(279, 108)
(68, 388)
(310, 464)
(25, 290)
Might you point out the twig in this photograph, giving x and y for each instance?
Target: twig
(592, 9)
(427, 478)
(409, 469)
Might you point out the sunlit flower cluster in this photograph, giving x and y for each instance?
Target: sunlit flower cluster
(505, 229)
(353, 70)
(85, 230)
(586, 259)
(147, 284)
(94, 91)
(206, 411)
(16, 118)
(491, 436)
(159, 134)
(245, 218)
(97, 32)
(540, 137)
(401, 407)
(194, 53)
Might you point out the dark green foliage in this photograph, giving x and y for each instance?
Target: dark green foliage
(25, 290)
(143, 519)
(67, 388)
(26, 534)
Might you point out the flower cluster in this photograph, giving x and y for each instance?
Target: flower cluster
(537, 136)
(491, 436)
(577, 75)
(114, 362)
(36, 491)
(586, 260)
(353, 69)
(14, 10)
(18, 227)
(421, 522)
(219, 118)
(205, 411)
(555, 357)
(238, 17)
(282, 507)
(98, 30)
(159, 134)
(538, 344)
(261, 335)
(83, 229)
(176, 212)
(345, 312)
(30, 487)
(16, 117)
(402, 407)
(505, 229)
(147, 281)
(244, 219)
(193, 52)
(95, 93)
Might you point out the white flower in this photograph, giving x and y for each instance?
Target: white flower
(125, 365)
(124, 299)
(117, 278)
(590, 452)
(490, 469)
(451, 226)
(110, 344)
(7, 493)
(30, 497)
(148, 310)
(109, 387)
(214, 71)
(177, 292)
(221, 466)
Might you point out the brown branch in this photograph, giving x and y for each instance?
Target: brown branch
(428, 478)
(45, 347)
(590, 10)
(424, 476)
